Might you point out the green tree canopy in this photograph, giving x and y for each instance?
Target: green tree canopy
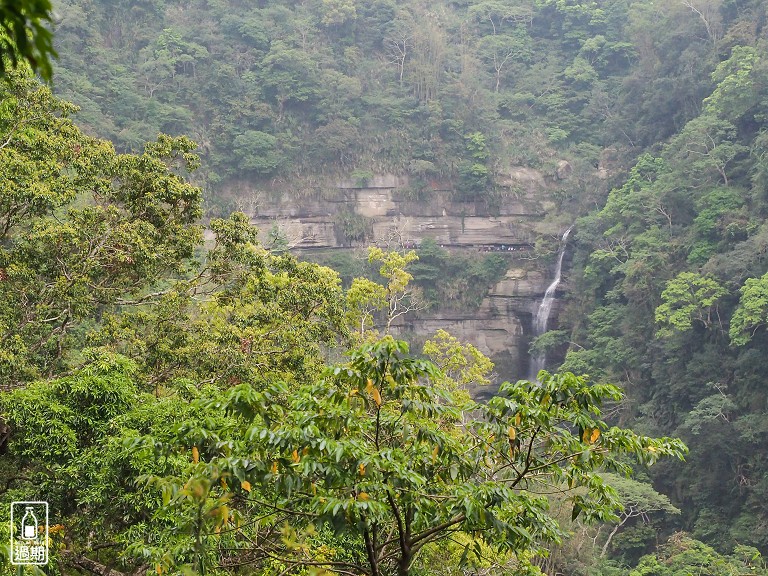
(752, 312)
(689, 298)
(25, 37)
(376, 451)
(82, 227)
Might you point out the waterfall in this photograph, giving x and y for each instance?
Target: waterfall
(542, 314)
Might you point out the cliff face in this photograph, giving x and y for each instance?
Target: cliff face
(501, 326)
(384, 204)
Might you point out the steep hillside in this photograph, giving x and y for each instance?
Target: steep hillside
(670, 291)
(283, 95)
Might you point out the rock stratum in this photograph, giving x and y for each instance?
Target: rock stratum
(501, 326)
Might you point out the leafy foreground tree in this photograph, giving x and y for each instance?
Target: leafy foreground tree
(113, 318)
(82, 228)
(360, 472)
(381, 456)
(24, 35)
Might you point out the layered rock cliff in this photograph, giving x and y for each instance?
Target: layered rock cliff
(501, 326)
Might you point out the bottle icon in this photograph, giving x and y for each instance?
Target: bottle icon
(29, 524)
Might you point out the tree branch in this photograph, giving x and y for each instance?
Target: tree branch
(84, 563)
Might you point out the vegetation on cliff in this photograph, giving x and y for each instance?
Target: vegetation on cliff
(283, 93)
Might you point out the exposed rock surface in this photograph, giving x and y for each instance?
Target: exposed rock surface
(501, 326)
(386, 204)
(564, 170)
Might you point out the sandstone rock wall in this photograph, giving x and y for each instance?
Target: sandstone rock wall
(501, 326)
(388, 207)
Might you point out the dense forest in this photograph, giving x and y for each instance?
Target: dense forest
(285, 93)
(190, 399)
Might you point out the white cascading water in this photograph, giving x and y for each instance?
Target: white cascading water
(539, 360)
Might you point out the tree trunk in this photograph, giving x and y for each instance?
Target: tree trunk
(83, 563)
(404, 564)
(604, 550)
